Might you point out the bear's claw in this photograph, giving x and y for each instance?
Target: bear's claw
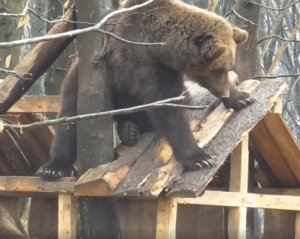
(50, 171)
(128, 133)
(198, 160)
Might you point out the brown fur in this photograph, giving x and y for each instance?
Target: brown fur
(199, 45)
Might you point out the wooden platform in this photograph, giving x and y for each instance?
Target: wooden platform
(149, 169)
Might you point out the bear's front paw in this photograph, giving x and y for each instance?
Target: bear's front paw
(238, 103)
(198, 160)
(53, 170)
(128, 133)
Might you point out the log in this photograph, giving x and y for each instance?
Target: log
(32, 66)
(104, 179)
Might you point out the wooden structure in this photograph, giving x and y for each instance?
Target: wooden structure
(158, 200)
(147, 171)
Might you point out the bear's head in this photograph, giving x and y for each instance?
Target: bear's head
(214, 58)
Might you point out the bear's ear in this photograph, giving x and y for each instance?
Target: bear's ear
(239, 35)
(208, 47)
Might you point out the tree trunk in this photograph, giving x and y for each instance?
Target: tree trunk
(99, 218)
(247, 18)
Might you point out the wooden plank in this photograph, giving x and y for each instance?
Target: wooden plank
(67, 215)
(240, 166)
(252, 200)
(37, 104)
(237, 217)
(166, 218)
(228, 137)
(266, 145)
(297, 226)
(104, 179)
(33, 185)
(285, 142)
(215, 121)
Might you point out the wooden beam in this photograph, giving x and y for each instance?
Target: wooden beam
(37, 104)
(166, 218)
(34, 64)
(284, 141)
(237, 217)
(67, 215)
(10, 185)
(251, 200)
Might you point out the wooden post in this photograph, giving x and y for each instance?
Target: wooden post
(239, 183)
(67, 215)
(99, 218)
(166, 218)
(297, 225)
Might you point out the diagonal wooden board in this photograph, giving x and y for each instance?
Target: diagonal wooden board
(229, 136)
(156, 170)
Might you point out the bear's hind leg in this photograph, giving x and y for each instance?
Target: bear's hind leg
(63, 148)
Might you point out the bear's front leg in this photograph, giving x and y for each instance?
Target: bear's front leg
(237, 99)
(172, 124)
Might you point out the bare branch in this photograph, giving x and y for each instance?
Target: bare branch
(72, 119)
(73, 33)
(273, 77)
(10, 72)
(241, 17)
(278, 37)
(272, 8)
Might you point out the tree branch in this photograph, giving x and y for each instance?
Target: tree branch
(272, 8)
(278, 37)
(73, 33)
(130, 110)
(273, 77)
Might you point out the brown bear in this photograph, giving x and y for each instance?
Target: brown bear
(198, 44)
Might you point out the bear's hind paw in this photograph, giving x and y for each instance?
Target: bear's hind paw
(49, 172)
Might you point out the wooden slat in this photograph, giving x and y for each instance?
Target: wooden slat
(284, 141)
(34, 185)
(67, 216)
(166, 218)
(237, 217)
(228, 137)
(37, 104)
(266, 145)
(104, 179)
(251, 200)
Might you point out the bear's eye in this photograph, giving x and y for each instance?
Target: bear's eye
(201, 40)
(220, 71)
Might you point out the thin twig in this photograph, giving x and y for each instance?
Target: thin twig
(72, 33)
(278, 37)
(277, 76)
(130, 110)
(273, 8)
(241, 17)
